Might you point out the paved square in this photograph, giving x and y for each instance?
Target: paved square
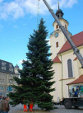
(60, 109)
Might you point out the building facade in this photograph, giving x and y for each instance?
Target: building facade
(66, 66)
(7, 72)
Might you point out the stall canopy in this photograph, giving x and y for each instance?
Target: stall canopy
(77, 81)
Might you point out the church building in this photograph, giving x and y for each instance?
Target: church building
(67, 68)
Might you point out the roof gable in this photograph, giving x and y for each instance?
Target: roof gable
(56, 60)
(77, 39)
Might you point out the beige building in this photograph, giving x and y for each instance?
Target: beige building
(7, 72)
(66, 66)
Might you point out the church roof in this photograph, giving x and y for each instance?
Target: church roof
(75, 58)
(77, 81)
(56, 60)
(77, 39)
(59, 13)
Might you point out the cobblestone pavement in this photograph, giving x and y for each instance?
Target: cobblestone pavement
(59, 109)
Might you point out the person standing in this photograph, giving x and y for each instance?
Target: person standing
(5, 105)
(31, 106)
(25, 108)
(1, 106)
(76, 93)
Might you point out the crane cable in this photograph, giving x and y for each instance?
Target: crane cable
(38, 9)
(58, 4)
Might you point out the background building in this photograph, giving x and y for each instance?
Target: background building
(7, 72)
(66, 65)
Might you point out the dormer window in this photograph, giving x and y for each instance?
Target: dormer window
(3, 63)
(11, 69)
(10, 65)
(3, 67)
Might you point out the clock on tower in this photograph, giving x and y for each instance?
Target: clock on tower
(56, 34)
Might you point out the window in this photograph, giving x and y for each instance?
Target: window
(56, 34)
(57, 45)
(57, 26)
(3, 66)
(3, 63)
(10, 65)
(11, 69)
(9, 88)
(69, 64)
(1, 81)
(65, 27)
(0, 94)
(10, 81)
(1, 88)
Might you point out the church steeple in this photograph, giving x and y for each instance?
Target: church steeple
(57, 38)
(59, 12)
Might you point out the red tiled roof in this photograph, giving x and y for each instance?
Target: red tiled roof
(75, 58)
(77, 39)
(56, 60)
(77, 81)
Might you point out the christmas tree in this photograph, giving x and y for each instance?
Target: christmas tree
(36, 75)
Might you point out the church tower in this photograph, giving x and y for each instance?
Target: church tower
(57, 38)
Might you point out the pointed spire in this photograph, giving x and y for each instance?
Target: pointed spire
(59, 12)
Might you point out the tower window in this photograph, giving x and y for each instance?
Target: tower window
(57, 26)
(58, 16)
(57, 44)
(65, 27)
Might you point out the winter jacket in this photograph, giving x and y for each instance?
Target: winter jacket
(5, 105)
(0, 105)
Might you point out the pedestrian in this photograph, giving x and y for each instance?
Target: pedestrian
(28, 106)
(73, 92)
(1, 105)
(31, 106)
(76, 93)
(25, 108)
(5, 105)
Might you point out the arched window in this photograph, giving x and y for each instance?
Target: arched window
(70, 71)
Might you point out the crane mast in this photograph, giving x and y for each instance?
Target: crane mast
(75, 49)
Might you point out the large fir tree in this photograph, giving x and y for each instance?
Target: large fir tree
(35, 77)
